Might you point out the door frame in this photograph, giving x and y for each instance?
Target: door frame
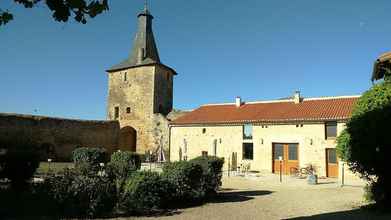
(287, 156)
(327, 162)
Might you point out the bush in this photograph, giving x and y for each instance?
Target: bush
(212, 172)
(145, 192)
(80, 195)
(186, 178)
(88, 159)
(123, 163)
(365, 145)
(19, 162)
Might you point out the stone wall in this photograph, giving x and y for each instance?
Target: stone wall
(60, 136)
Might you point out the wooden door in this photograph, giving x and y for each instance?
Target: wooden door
(289, 154)
(331, 163)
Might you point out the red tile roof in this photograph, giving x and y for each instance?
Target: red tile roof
(314, 109)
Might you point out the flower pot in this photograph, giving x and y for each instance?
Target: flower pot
(312, 179)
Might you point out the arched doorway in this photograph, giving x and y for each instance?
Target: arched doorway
(127, 139)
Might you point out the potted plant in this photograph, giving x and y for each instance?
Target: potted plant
(312, 177)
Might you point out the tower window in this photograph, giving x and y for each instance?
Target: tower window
(116, 112)
(125, 76)
(168, 76)
(128, 110)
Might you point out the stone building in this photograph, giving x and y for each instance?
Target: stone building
(300, 131)
(140, 92)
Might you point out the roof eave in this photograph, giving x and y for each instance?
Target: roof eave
(111, 70)
(281, 121)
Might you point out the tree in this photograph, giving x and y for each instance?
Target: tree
(382, 67)
(80, 10)
(365, 144)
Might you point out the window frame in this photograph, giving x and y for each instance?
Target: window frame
(251, 131)
(116, 112)
(326, 126)
(245, 154)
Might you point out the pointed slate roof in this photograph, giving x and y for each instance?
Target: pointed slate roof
(144, 51)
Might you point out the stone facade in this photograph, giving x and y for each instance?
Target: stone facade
(57, 136)
(228, 139)
(140, 98)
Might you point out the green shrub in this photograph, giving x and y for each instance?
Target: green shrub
(145, 192)
(186, 178)
(19, 162)
(80, 195)
(88, 159)
(212, 172)
(123, 163)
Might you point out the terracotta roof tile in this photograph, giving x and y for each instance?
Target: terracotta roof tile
(322, 109)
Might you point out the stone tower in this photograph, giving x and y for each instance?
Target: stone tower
(140, 91)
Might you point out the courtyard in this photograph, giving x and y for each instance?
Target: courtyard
(265, 197)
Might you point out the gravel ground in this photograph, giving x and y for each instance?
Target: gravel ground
(266, 198)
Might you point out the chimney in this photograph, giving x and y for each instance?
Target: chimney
(238, 101)
(296, 97)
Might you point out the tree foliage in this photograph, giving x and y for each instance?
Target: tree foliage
(365, 144)
(61, 10)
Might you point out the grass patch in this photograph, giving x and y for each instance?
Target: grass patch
(55, 167)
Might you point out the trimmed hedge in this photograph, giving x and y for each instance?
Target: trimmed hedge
(186, 179)
(87, 159)
(79, 195)
(124, 163)
(212, 172)
(145, 192)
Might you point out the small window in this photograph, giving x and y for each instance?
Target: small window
(332, 156)
(278, 151)
(204, 153)
(116, 112)
(331, 130)
(125, 76)
(168, 76)
(128, 110)
(293, 154)
(247, 131)
(204, 130)
(248, 151)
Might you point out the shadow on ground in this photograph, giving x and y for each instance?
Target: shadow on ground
(237, 196)
(355, 214)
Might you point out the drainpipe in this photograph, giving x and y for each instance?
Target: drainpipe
(169, 143)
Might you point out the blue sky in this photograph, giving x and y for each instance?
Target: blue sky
(255, 49)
